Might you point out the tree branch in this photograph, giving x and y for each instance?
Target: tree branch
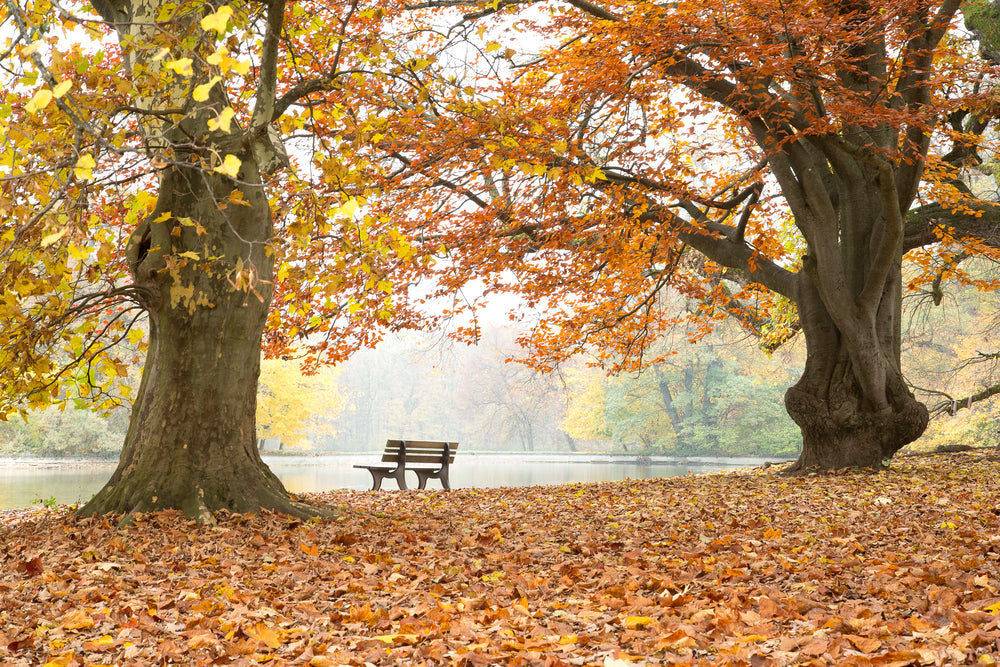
(263, 110)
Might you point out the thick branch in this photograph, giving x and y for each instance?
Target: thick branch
(913, 86)
(871, 293)
(980, 219)
(263, 111)
(715, 241)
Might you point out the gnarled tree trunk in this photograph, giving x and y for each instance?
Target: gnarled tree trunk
(192, 441)
(202, 261)
(841, 427)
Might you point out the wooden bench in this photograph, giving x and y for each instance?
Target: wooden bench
(430, 460)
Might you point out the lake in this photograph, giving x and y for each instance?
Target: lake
(23, 482)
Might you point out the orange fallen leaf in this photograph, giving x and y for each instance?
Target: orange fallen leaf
(265, 634)
(864, 644)
(78, 619)
(637, 622)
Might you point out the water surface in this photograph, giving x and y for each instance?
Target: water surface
(26, 482)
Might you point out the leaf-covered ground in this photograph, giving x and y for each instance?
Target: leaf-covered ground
(745, 568)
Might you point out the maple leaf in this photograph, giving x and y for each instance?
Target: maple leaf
(218, 20)
(230, 166)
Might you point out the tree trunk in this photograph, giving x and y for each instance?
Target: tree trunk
(192, 442)
(203, 263)
(840, 427)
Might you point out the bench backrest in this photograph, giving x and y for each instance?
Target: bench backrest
(419, 451)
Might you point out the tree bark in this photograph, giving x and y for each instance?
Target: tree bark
(192, 443)
(203, 264)
(840, 427)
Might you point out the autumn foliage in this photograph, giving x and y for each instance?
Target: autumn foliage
(740, 568)
(198, 181)
(755, 157)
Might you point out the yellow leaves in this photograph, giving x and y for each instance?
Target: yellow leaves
(223, 122)
(40, 100)
(181, 66)
(62, 88)
(78, 619)
(29, 50)
(230, 166)
(348, 208)
(84, 169)
(217, 21)
(61, 661)
(637, 622)
(200, 93)
(397, 638)
(54, 237)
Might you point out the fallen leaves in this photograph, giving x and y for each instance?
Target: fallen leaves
(743, 568)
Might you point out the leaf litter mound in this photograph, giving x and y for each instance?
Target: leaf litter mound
(741, 568)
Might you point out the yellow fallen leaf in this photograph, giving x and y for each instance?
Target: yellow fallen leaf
(322, 661)
(392, 639)
(267, 635)
(77, 620)
(637, 622)
(61, 661)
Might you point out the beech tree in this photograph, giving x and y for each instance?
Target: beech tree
(146, 184)
(771, 161)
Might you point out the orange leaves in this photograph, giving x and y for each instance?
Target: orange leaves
(662, 571)
(268, 635)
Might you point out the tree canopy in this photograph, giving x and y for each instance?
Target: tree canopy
(756, 157)
(204, 180)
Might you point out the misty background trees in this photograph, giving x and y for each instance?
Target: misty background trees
(718, 396)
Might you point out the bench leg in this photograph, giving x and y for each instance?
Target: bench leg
(400, 476)
(377, 478)
(422, 478)
(424, 475)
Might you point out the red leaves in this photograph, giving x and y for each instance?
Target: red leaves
(31, 568)
(740, 568)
